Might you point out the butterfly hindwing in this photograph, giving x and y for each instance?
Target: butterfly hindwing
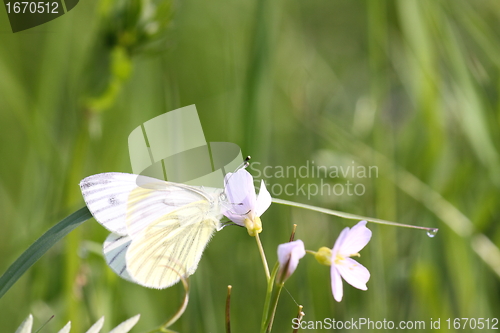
(115, 247)
(172, 246)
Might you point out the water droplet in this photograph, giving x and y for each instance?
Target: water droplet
(432, 232)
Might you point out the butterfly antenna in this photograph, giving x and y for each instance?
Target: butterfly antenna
(243, 165)
(247, 161)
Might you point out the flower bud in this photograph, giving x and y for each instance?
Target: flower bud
(289, 255)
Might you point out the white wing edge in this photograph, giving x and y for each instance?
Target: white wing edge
(106, 196)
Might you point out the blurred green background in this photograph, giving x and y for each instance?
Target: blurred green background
(409, 86)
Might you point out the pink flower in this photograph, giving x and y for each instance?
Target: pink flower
(289, 255)
(349, 243)
(244, 206)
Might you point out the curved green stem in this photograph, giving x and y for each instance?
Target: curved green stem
(183, 306)
(349, 215)
(269, 293)
(274, 303)
(164, 327)
(263, 256)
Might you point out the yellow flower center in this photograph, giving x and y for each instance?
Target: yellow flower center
(324, 256)
(339, 258)
(253, 226)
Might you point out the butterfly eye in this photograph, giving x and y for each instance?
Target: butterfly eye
(223, 196)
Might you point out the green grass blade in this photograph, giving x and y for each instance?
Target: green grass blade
(40, 246)
(348, 215)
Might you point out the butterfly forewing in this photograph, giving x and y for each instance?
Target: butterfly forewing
(172, 246)
(150, 202)
(106, 196)
(120, 205)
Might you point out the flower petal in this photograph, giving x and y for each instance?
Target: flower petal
(338, 243)
(239, 219)
(355, 240)
(240, 193)
(263, 200)
(337, 290)
(353, 273)
(289, 255)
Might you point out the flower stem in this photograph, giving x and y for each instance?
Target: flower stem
(263, 256)
(228, 309)
(164, 327)
(292, 236)
(349, 215)
(299, 317)
(274, 304)
(269, 293)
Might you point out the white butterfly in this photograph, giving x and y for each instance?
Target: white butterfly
(159, 229)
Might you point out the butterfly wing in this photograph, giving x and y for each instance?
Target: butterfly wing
(153, 223)
(106, 196)
(171, 246)
(115, 247)
(125, 203)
